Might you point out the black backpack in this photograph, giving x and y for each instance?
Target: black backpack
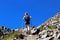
(27, 18)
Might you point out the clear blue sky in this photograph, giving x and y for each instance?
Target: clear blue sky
(12, 11)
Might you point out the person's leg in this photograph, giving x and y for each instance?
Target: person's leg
(28, 27)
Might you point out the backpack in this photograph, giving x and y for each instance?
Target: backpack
(27, 18)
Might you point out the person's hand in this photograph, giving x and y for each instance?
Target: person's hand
(30, 17)
(23, 17)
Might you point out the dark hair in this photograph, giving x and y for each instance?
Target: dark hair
(26, 13)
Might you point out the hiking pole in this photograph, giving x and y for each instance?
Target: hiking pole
(31, 23)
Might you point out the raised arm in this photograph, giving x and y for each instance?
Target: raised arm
(23, 17)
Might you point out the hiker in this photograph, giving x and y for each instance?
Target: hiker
(27, 21)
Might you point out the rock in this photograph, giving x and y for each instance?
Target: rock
(33, 31)
(51, 38)
(44, 35)
(58, 36)
(31, 37)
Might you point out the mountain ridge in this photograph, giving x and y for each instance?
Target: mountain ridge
(48, 20)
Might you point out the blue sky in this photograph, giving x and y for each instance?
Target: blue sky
(12, 11)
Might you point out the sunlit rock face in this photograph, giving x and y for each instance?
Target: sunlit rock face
(54, 20)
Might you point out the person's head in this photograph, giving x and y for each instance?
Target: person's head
(26, 13)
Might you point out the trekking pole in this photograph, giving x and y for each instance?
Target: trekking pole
(31, 23)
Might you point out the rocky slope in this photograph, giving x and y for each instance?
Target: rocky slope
(4, 32)
(7, 33)
(55, 20)
(50, 30)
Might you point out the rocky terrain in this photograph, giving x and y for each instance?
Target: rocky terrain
(4, 32)
(50, 30)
